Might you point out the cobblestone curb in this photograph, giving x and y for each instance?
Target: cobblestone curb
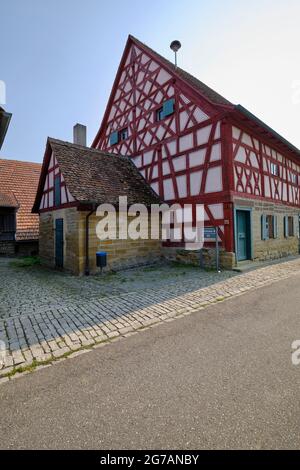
(42, 338)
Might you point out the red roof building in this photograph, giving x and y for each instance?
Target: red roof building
(193, 146)
(18, 186)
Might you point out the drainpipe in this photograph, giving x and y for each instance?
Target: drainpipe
(87, 234)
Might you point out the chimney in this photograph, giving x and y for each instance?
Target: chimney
(79, 134)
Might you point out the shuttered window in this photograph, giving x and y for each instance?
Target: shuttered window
(288, 225)
(123, 134)
(7, 227)
(168, 108)
(159, 114)
(57, 199)
(114, 138)
(275, 226)
(7, 223)
(291, 226)
(274, 169)
(269, 226)
(165, 110)
(264, 228)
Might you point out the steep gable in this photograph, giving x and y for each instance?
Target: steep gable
(144, 80)
(146, 84)
(52, 190)
(90, 176)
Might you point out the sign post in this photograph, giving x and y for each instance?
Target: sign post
(211, 233)
(217, 251)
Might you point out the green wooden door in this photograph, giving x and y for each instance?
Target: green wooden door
(242, 235)
(59, 243)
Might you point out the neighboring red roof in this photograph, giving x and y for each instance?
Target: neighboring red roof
(20, 179)
(8, 199)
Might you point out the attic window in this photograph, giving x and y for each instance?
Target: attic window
(294, 178)
(123, 134)
(165, 110)
(168, 107)
(159, 115)
(114, 138)
(57, 199)
(274, 169)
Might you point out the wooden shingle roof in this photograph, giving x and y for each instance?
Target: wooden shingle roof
(94, 176)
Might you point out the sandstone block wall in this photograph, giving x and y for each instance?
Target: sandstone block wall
(274, 247)
(47, 238)
(120, 253)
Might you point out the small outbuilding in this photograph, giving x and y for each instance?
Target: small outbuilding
(19, 228)
(74, 181)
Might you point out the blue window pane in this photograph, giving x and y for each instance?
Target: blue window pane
(57, 190)
(160, 114)
(114, 138)
(124, 134)
(168, 107)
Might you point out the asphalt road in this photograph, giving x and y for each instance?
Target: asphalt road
(219, 378)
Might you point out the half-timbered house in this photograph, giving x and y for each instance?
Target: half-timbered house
(194, 146)
(74, 181)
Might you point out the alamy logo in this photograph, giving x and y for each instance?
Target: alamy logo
(173, 223)
(296, 353)
(2, 92)
(296, 92)
(2, 354)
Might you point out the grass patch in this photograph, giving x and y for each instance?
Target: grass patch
(26, 262)
(34, 364)
(210, 269)
(150, 269)
(105, 277)
(179, 264)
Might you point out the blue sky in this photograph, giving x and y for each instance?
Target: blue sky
(59, 58)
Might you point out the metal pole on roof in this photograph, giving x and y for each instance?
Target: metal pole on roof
(175, 46)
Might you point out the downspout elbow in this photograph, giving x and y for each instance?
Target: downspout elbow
(87, 234)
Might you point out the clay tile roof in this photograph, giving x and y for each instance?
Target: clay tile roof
(205, 90)
(95, 176)
(8, 199)
(20, 179)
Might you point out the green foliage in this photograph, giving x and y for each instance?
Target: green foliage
(26, 262)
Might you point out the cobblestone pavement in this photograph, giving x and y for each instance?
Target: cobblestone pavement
(54, 331)
(32, 290)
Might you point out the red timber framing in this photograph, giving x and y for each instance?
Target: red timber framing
(262, 168)
(48, 187)
(204, 152)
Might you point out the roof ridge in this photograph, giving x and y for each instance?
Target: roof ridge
(184, 75)
(90, 149)
(92, 175)
(19, 161)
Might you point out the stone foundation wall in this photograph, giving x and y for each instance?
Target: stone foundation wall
(7, 248)
(275, 247)
(121, 254)
(27, 248)
(205, 258)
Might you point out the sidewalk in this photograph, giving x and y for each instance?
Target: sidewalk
(46, 336)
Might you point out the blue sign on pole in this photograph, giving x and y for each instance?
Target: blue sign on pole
(210, 233)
